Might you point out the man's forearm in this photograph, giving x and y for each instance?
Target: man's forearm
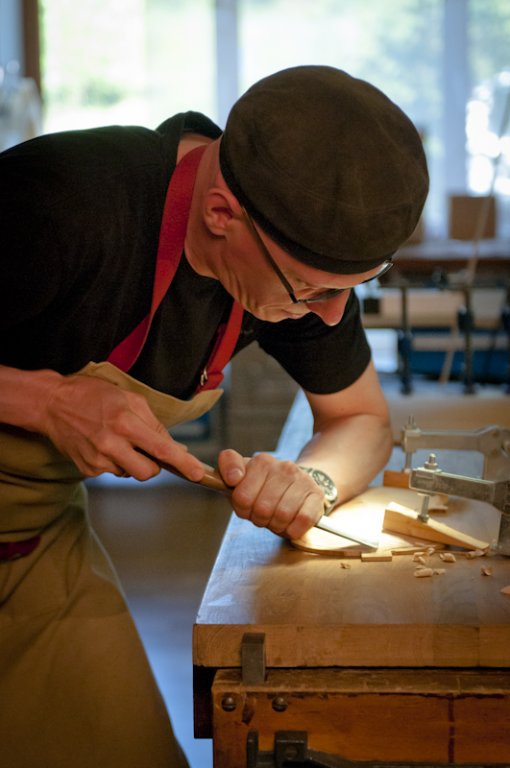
(351, 451)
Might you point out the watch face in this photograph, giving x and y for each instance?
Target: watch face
(324, 482)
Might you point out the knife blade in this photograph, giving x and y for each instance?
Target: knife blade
(326, 524)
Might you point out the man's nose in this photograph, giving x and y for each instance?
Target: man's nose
(331, 311)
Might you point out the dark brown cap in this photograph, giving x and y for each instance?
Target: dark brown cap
(328, 166)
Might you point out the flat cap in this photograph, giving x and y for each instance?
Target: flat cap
(328, 166)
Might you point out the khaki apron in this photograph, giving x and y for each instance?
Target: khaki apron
(76, 689)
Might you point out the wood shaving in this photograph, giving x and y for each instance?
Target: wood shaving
(411, 550)
(475, 553)
(418, 557)
(439, 571)
(448, 557)
(344, 565)
(486, 570)
(379, 556)
(422, 573)
(506, 590)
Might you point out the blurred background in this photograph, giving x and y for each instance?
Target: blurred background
(445, 62)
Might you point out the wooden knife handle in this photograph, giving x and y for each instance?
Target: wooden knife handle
(212, 478)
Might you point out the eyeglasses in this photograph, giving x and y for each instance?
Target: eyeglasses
(324, 295)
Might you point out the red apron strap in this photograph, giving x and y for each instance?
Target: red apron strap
(12, 550)
(170, 247)
(226, 341)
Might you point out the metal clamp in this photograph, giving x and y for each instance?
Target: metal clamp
(492, 441)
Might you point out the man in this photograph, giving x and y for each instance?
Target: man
(260, 236)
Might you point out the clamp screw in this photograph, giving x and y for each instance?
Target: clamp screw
(423, 514)
(279, 704)
(228, 703)
(431, 462)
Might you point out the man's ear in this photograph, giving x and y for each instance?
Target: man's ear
(220, 207)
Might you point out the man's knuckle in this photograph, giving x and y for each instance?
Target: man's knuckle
(135, 399)
(289, 469)
(263, 460)
(242, 498)
(242, 512)
(103, 444)
(302, 521)
(263, 508)
(123, 422)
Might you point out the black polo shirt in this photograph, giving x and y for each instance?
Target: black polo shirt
(80, 220)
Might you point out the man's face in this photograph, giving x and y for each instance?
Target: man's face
(273, 286)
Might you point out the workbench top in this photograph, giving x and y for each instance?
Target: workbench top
(315, 611)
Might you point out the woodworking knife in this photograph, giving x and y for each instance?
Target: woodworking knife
(213, 480)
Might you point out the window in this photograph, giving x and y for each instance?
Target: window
(488, 109)
(126, 61)
(445, 62)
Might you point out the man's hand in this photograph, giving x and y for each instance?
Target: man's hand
(271, 493)
(103, 428)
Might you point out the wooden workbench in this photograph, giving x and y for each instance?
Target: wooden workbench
(422, 259)
(371, 662)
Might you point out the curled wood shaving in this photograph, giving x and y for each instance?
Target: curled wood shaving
(475, 553)
(418, 557)
(486, 570)
(448, 557)
(506, 590)
(344, 565)
(422, 573)
(439, 571)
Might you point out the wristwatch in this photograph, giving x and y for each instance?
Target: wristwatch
(326, 485)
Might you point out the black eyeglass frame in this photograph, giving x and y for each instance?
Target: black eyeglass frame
(331, 293)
